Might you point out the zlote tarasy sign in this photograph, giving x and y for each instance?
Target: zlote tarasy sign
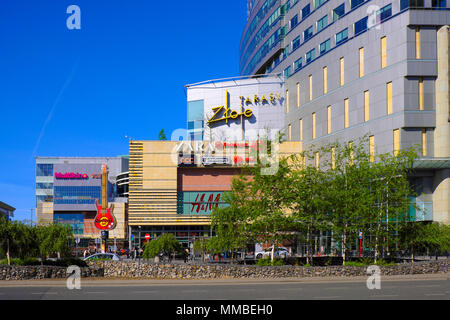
(224, 113)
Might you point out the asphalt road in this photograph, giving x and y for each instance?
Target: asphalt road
(436, 287)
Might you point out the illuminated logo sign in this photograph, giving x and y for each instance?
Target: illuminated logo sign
(71, 175)
(186, 160)
(222, 113)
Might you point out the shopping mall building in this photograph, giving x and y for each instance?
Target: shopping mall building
(353, 68)
(175, 185)
(318, 72)
(67, 188)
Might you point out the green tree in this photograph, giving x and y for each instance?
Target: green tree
(54, 239)
(162, 135)
(17, 239)
(231, 223)
(307, 199)
(267, 206)
(165, 244)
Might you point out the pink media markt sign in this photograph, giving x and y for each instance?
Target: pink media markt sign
(70, 175)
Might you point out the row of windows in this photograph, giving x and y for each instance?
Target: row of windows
(262, 32)
(340, 37)
(383, 64)
(76, 195)
(44, 170)
(366, 116)
(46, 186)
(395, 148)
(437, 4)
(268, 4)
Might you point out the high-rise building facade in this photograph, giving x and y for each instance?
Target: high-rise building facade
(353, 68)
(68, 187)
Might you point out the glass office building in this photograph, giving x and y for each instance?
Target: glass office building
(67, 190)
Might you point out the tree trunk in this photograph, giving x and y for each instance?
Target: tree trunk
(7, 252)
(273, 250)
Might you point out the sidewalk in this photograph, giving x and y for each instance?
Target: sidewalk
(161, 282)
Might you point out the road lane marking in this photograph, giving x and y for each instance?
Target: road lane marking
(44, 293)
(145, 292)
(92, 292)
(331, 297)
(429, 286)
(384, 295)
(337, 288)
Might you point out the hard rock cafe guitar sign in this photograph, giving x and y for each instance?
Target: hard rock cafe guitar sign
(104, 220)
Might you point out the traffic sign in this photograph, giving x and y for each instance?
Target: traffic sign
(147, 236)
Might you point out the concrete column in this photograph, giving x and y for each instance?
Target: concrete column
(441, 195)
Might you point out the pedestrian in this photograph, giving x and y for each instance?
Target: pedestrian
(85, 253)
(186, 255)
(134, 253)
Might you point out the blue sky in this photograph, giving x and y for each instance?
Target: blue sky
(79, 92)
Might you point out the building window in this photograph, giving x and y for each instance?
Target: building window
(341, 36)
(298, 94)
(384, 13)
(287, 101)
(346, 113)
(307, 34)
(318, 3)
(411, 4)
(325, 80)
(389, 97)
(355, 3)
(341, 66)
(329, 119)
(361, 25)
(366, 106)
(338, 12)
(333, 158)
(310, 55)
(294, 22)
(310, 87)
(306, 11)
(361, 62)
(325, 46)
(383, 52)
(301, 129)
(297, 64)
(322, 23)
(421, 94)
(287, 72)
(295, 43)
(44, 170)
(372, 148)
(314, 125)
(439, 4)
(45, 186)
(424, 142)
(396, 138)
(289, 132)
(418, 53)
(76, 194)
(286, 52)
(74, 220)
